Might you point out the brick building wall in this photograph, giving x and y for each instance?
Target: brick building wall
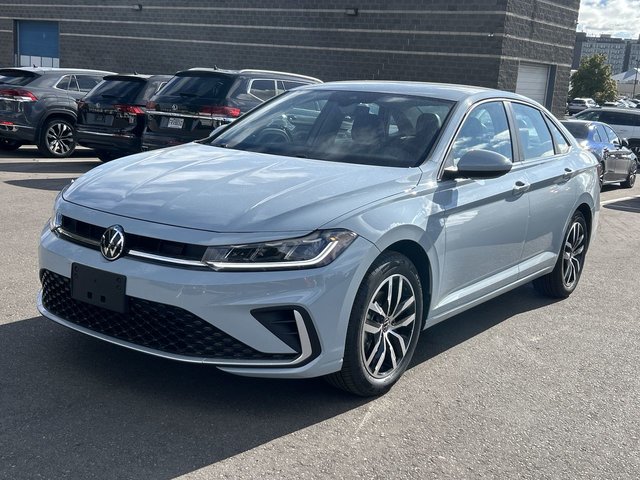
(479, 42)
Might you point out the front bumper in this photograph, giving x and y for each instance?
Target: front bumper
(225, 304)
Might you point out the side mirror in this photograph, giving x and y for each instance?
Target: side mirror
(479, 164)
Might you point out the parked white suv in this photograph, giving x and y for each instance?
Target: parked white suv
(578, 104)
(624, 121)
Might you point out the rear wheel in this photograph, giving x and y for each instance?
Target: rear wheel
(9, 145)
(562, 281)
(57, 138)
(631, 178)
(384, 327)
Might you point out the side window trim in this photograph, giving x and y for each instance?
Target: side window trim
(544, 118)
(65, 79)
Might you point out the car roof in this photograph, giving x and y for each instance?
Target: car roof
(445, 91)
(250, 72)
(134, 76)
(62, 71)
(613, 109)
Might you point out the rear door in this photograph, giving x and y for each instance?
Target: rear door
(553, 188)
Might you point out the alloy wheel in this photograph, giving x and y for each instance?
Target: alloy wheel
(389, 326)
(573, 254)
(59, 138)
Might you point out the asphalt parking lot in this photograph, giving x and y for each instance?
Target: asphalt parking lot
(520, 387)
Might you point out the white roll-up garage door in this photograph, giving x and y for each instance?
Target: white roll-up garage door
(532, 81)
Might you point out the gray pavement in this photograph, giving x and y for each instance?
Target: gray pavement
(521, 387)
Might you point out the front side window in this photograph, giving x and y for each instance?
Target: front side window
(619, 118)
(343, 126)
(533, 133)
(485, 128)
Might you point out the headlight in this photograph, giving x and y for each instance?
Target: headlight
(315, 250)
(55, 221)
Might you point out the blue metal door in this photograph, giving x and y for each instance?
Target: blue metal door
(38, 44)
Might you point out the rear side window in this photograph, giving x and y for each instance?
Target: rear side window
(210, 87)
(561, 144)
(151, 88)
(87, 82)
(121, 90)
(17, 77)
(597, 137)
(533, 132)
(611, 135)
(263, 89)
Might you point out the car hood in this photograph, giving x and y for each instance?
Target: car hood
(222, 190)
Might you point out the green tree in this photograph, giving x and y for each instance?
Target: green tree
(593, 80)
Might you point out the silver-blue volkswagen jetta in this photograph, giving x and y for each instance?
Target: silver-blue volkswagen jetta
(321, 233)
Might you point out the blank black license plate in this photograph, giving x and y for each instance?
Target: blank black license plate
(100, 288)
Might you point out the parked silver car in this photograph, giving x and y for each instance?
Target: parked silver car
(322, 232)
(578, 104)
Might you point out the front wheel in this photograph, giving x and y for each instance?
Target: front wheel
(57, 139)
(563, 279)
(631, 178)
(384, 327)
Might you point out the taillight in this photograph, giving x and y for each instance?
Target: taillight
(131, 109)
(19, 94)
(221, 111)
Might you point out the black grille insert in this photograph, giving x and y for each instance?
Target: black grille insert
(149, 324)
(154, 246)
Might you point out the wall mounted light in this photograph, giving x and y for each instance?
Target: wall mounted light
(137, 7)
(351, 11)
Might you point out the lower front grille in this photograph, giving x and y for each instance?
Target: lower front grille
(149, 324)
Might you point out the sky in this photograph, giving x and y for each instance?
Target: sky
(620, 18)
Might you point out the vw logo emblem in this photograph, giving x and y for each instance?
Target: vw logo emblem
(112, 242)
(97, 105)
(174, 107)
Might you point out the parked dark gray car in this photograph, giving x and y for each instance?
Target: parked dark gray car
(617, 162)
(38, 106)
(196, 101)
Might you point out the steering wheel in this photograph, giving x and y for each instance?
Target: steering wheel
(273, 135)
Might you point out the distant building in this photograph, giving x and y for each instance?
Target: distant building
(524, 46)
(622, 54)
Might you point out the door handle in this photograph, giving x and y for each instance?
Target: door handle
(520, 187)
(567, 174)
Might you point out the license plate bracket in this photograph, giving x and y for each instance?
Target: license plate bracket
(175, 122)
(99, 288)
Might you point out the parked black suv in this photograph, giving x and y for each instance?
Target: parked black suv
(111, 117)
(38, 106)
(196, 101)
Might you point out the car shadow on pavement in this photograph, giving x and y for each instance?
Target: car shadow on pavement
(631, 205)
(75, 407)
(53, 184)
(32, 152)
(49, 166)
(462, 327)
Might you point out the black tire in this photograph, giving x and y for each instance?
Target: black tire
(395, 328)
(105, 156)
(564, 278)
(57, 138)
(631, 178)
(9, 145)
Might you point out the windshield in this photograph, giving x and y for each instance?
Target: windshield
(124, 91)
(385, 129)
(206, 86)
(578, 130)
